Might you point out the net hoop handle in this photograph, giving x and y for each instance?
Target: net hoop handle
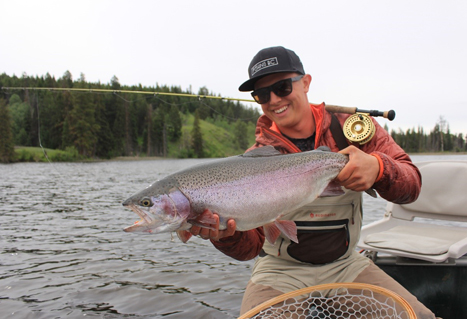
(350, 285)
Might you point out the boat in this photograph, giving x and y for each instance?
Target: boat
(423, 245)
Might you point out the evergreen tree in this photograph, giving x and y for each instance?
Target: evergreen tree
(33, 119)
(147, 140)
(83, 128)
(19, 113)
(157, 134)
(435, 135)
(442, 129)
(203, 109)
(241, 137)
(460, 143)
(229, 115)
(51, 118)
(197, 138)
(174, 123)
(112, 124)
(105, 142)
(116, 115)
(7, 146)
(448, 144)
(66, 81)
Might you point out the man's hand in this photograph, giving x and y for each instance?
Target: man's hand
(213, 231)
(361, 171)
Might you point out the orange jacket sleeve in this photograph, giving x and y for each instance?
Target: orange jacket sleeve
(399, 180)
(242, 246)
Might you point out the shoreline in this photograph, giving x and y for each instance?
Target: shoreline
(36, 154)
(438, 153)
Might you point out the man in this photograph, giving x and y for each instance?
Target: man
(329, 227)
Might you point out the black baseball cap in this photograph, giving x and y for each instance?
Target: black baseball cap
(271, 60)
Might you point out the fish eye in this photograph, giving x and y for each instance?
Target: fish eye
(146, 202)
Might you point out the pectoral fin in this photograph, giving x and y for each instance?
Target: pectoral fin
(271, 232)
(184, 235)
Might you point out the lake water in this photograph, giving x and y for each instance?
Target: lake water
(63, 252)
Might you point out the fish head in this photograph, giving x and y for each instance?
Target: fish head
(160, 213)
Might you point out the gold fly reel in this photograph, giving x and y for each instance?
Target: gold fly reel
(359, 128)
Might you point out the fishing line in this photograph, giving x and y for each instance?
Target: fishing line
(226, 116)
(39, 136)
(154, 95)
(38, 126)
(131, 92)
(39, 130)
(119, 93)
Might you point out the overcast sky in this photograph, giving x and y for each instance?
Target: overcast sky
(410, 56)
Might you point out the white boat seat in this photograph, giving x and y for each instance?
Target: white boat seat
(434, 227)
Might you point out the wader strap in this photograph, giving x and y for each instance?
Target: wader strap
(337, 134)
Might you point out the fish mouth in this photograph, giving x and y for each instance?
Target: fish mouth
(146, 219)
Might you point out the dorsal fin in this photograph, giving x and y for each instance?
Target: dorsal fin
(323, 149)
(267, 150)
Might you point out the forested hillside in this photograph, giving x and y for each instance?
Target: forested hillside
(439, 139)
(109, 124)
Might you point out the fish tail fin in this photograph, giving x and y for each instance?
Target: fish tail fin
(288, 228)
(184, 235)
(271, 232)
(333, 189)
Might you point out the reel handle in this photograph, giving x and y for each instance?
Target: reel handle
(390, 115)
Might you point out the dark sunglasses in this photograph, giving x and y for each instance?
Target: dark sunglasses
(280, 88)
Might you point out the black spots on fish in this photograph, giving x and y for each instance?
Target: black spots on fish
(164, 186)
(218, 173)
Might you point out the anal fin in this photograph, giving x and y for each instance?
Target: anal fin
(288, 228)
(274, 229)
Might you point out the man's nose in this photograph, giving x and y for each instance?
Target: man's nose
(274, 98)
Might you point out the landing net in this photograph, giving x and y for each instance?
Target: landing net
(335, 301)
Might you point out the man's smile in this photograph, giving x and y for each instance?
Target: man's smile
(281, 110)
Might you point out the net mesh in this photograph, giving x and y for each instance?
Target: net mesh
(338, 303)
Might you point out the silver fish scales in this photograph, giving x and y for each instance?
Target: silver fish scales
(255, 189)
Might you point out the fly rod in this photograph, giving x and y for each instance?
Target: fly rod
(90, 90)
(390, 115)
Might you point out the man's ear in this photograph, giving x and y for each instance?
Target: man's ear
(306, 80)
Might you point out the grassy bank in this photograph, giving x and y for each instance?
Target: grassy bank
(37, 154)
(218, 141)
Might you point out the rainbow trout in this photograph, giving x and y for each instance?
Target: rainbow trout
(255, 189)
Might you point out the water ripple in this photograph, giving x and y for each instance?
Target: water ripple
(63, 252)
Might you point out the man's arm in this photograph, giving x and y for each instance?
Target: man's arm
(384, 166)
(242, 246)
(239, 245)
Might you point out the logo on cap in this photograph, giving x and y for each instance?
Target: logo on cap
(263, 65)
